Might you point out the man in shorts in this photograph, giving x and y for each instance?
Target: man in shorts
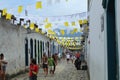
(45, 64)
(51, 64)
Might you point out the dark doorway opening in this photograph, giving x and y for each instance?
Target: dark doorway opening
(48, 48)
(26, 52)
(31, 48)
(41, 49)
(38, 53)
(35, 51)
(111, 42)
(43, 46)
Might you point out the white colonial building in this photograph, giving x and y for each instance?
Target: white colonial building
(18, 46)
(103, 42)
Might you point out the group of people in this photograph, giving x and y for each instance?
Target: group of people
(3, 64)
(48, 62)
(51, 62)
(75, 58)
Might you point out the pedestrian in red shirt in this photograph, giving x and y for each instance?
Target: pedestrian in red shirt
(77, 55)
(33, 70)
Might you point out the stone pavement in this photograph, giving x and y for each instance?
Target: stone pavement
(64, 71)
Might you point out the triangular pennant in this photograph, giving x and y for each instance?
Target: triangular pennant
(32, 26)
(73, 23)
(62, 32)
(37, 29)
(38, 5)
(75, 30)
(80, 21)
(49, 25)
(50, 31)
(20, 9)
(4, 12)
(46, 26)
(66, 24)
(8, 16)
(84, 21)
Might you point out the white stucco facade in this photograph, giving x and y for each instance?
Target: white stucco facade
(12, 44)
(97, 48)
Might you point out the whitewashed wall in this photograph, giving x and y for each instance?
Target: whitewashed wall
(12, 44)
(117, 7)
(97, 47)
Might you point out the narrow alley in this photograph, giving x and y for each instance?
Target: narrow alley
(64, 71)
(35, 34)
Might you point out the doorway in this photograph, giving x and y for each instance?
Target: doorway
(26, 52)
(31, 48)
(112, 49)
(38, 53)
(41, 52)
(35, 50)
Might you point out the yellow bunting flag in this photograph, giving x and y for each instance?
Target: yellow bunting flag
(46, 26)
(50, 31)
(62, 32)
(20, 9)
(73, 23)
(38, 5)
(84, 21)
(80, 21)
(49, 25)
(37, 29)
(4, 12)
(32, 26)
(75, 30)
(8, 16)
(66, 24)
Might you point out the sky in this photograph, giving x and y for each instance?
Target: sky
(50, 8)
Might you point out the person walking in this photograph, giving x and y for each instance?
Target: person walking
(51, 64)
(45, 64)
(71, 58)
(56, 58)
(3, 64)
(77, 63)
(54, 64)
(34, 68)
(68, 57)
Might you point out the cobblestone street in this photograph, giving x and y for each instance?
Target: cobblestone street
(64, 71)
